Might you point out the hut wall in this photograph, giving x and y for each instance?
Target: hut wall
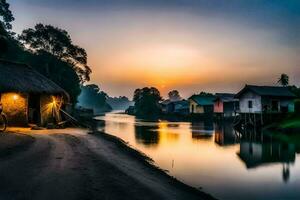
(50, 106)
(218, 107)
(256, 102)
(195, 108)
(15, 108)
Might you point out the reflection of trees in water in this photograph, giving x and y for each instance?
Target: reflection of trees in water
(258, 149)
(146, 135)
(202, 130)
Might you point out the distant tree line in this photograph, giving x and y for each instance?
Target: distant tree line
(119, 103)
(92, 97)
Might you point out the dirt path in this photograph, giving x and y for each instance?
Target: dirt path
(70, 164)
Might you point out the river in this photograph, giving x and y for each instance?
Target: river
(214, 157)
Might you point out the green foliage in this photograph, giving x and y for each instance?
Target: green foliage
(44, 39)
(147, 101)
(92, 97)
(283, 80)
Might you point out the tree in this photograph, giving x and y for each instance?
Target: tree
(206, 94)
(283, 80)
(92, 97)
(3, 40)
(6, 16)
(119, 103)
(57, 42)
(174, 95)
(147, 102)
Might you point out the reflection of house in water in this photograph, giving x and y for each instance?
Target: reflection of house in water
(147, 135)
(225, 135)
(258, 152)
(202, 130)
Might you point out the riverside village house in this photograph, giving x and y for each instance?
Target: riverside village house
(200, 104)
(270, 99)
(28, 97)
(225, 104)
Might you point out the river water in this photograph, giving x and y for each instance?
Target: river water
(214, 157)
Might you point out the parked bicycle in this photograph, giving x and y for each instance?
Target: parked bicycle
(3, 121)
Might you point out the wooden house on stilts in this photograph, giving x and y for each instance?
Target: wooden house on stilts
(258, 101)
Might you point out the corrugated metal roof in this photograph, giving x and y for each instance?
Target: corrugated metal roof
(268, 91)
(203, 100)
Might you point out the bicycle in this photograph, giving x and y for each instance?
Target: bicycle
(3, 120)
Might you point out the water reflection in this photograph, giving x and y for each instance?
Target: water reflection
(224, 162)
(202, 130)
(226, 135)
(258, 149)
(147, 135)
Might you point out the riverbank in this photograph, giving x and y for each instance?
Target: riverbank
(287, 130)
(289, 125)
(71, 164)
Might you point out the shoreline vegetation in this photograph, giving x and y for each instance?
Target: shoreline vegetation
(23, 142)
(287, 130)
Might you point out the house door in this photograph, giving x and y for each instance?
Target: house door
(34, 109)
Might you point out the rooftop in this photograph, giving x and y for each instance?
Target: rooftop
(16, 77)
(268, 91)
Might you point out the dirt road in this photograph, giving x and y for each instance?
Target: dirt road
(71, 164)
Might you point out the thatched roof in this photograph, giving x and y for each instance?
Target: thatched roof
(15, 77)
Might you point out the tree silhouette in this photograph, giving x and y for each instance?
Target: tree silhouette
(174, 95)
(92, 97)
(147, 102)
(57, 42)
(6, 16)
(283, 80)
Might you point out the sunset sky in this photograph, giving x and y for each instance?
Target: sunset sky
(189, 45)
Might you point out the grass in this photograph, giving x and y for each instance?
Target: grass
(287, 131)
(291, 123)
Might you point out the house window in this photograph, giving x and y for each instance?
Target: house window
(250, 104)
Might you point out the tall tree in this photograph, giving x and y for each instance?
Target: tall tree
(174, 95)
(6, 16)
(57, 42)
(3, 40)
(283, 80)
(147, 101)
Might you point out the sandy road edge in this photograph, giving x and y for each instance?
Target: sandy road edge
(148, 162)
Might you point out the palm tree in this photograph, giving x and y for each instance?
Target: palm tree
(283, 80)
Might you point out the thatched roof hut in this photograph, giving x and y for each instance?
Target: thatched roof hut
(28, 96)
(15, 77)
